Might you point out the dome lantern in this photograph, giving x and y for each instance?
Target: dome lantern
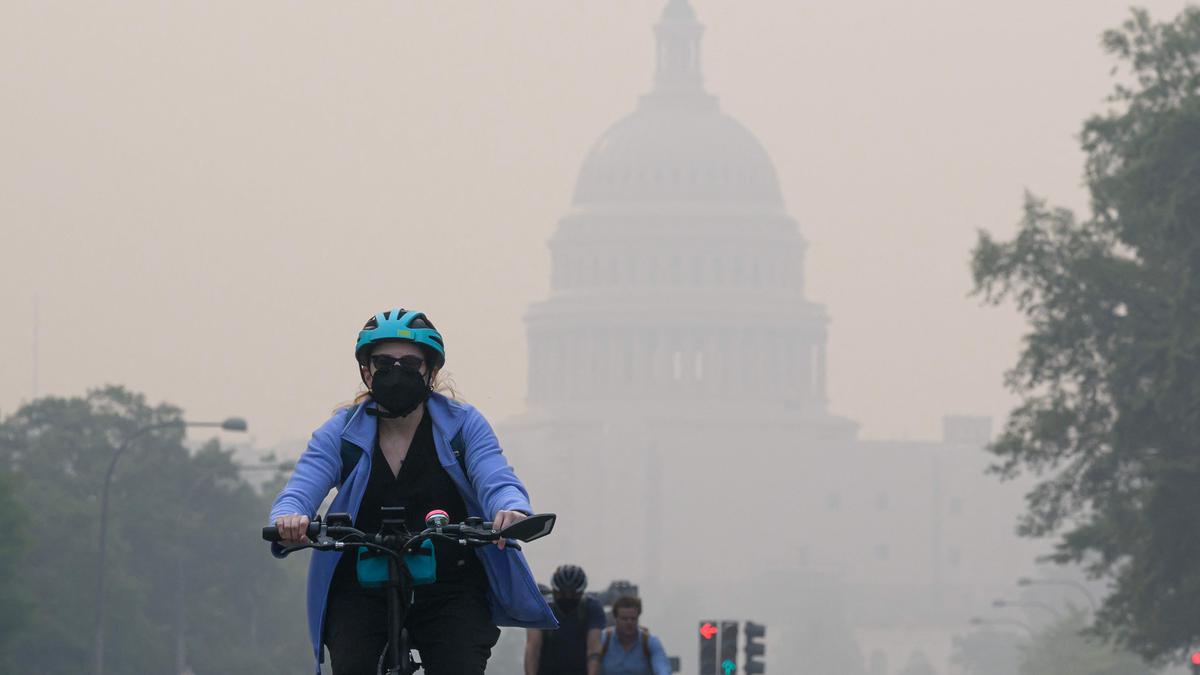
(678, 34)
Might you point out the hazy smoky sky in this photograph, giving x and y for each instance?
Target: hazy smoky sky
(207, 199)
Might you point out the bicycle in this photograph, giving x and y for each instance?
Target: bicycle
(336, 533)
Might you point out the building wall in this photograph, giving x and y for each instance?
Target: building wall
(913, 536)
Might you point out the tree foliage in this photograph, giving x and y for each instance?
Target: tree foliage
(918, 664)
(183, 556)
(14, 597)
(1064, 648)
(1109, 373)
(986, 652)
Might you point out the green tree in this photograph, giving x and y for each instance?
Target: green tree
(182, 545)
(918, 664)
(1065, 649)
(14, 597)
(986, 652)
(1109, 374)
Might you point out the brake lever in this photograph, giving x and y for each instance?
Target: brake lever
(314, 546)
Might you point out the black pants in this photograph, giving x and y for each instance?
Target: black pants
(449, 624)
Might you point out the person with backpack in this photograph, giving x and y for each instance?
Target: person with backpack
(402, 444)
(629, 649)
(573, 649)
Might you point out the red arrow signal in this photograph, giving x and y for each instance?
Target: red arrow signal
(708, 631)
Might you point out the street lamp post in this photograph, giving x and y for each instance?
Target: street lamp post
(1026, 581)
(230, 424)
(1002, 603)
(977, 621)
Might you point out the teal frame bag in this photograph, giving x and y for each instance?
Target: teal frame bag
(372, 566)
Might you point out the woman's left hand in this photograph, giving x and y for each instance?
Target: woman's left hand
(502, 520)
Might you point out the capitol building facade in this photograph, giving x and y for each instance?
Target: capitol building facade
(677, 386)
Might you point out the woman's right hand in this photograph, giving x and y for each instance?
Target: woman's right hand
(292, 529)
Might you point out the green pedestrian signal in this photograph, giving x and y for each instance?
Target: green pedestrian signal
(729, 647)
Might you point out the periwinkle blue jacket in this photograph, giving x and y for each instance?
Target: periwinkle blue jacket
(513, 594)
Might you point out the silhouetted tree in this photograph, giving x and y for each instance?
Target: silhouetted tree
(1065, 649)
(918, 664)
(1110, 370)
(14, 597)
(175, 517)
(987, 652)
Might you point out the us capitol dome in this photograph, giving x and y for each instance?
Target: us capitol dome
(677, 406)
(677, 274)
(678, 147)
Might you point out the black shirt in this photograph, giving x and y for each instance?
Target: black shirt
(564, 651)
(421, 486)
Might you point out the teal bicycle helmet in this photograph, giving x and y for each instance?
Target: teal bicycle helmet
(404, 325)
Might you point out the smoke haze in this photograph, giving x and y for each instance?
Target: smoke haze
(204, 201)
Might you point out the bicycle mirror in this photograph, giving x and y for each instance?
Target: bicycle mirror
(533, 527)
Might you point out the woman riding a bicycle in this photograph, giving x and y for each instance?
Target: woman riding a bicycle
(401, 438)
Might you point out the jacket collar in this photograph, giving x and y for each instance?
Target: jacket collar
(447, 415)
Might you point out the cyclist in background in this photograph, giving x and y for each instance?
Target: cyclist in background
(402, 444)
(573, 649)
(629, 649)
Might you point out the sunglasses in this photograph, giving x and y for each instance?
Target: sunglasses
(384, 362)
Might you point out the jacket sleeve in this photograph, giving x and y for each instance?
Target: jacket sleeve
(316, 473)
(496, 484)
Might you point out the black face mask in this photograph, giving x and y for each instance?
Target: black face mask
(399, 391)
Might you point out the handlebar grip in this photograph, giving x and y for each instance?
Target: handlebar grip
(271, 533)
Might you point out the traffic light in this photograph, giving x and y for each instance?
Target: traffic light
(708, 647)
(1195, 662)
(729, 647)
(755, 650)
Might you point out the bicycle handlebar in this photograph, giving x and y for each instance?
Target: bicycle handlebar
(335, 537)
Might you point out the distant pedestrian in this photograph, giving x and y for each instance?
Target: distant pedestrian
(630, 649)
(573, 649)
